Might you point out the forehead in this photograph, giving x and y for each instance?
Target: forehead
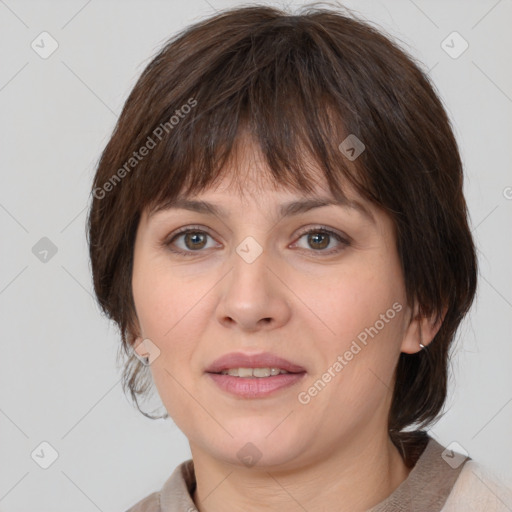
(246, 176)
(226, 200)
(252, 180)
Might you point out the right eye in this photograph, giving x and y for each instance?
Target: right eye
(193, 238)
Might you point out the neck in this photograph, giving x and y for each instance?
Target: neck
(355, 478)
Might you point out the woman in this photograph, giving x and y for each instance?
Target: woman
(278, 227)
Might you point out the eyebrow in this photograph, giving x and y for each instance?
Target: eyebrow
(286, 209)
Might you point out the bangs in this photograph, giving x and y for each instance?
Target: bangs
(278, 97)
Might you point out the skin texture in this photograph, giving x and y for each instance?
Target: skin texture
(332, 453)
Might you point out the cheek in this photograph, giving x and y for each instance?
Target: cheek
(173, 312)
(362, 323)
(355, 300)
(169, 314)
(162, 300)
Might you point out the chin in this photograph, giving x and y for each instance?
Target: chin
(263, 447)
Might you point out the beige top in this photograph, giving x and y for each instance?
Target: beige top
(433, 485)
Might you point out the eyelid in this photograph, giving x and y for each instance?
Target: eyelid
(185, 229)
(321, 227)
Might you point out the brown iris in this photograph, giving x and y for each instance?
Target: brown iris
(314, 237)
(194, 236)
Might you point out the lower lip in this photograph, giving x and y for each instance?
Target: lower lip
(255, 387)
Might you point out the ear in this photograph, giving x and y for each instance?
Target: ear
(420, 331)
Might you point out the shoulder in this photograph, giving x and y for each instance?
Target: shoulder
(150, 503)
(175, 494)
(479, 489)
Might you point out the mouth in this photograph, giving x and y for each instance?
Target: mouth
(259, 373)
(254, 376)
(263, 365)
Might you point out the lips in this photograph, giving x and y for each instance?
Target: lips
(263, 360)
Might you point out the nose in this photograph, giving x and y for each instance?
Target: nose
(254, 295)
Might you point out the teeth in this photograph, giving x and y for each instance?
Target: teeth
(253, 372)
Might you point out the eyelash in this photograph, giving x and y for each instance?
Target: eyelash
(318, 229)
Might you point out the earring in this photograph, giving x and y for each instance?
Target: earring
(422, 346)
(140, 351)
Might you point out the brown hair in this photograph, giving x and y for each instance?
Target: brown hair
(294, 82)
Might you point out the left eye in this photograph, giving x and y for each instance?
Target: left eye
(320, 238)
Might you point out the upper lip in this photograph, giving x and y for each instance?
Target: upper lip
(262, 360)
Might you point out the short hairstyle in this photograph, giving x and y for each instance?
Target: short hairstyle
(299, 85)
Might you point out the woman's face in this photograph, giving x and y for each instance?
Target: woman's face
(251, 281)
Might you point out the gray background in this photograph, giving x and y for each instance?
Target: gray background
(59, 380)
